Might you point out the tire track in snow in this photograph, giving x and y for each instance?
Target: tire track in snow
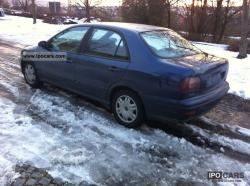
(12, 84)
(10, 63)
(199, 136)
(221, 129)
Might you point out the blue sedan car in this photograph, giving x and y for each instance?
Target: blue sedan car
(138, 71)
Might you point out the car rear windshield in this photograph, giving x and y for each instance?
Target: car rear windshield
(168, 44)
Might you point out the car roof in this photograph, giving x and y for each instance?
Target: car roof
(127, 26)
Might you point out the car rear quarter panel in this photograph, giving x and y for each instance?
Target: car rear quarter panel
(150, 76)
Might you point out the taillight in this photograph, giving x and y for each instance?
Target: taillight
(191, 84)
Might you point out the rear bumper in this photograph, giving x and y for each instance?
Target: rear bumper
(163, 108)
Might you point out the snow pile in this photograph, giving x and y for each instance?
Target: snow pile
(239, 69)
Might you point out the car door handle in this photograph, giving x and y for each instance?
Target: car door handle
(114, 69)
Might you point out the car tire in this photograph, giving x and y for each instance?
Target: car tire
(128, 109)
(31, 76)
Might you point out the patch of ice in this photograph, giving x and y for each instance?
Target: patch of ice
(14, 90)
(222, 149)
(243, 131)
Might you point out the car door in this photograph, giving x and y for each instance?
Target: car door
(61, 72)
(104, 61)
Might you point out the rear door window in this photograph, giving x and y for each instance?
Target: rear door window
(107, 43)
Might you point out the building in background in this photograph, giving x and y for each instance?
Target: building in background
(54, 7)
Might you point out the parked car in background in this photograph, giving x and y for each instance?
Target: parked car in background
(1, 13)
(138, 71)
(67, 20)
(92, 20)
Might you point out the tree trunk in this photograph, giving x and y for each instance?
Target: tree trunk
(34, 11)
(87, 9)
(202, 18)
(169, 15)
(217, 19)
(225, 22)
(191, 28)
(244, 30)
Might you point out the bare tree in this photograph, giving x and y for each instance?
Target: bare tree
(204, 17)
(244, 29)
(223, 14)
(87, 6)
(24, 5)
(2, 2)
(217, 14)
(169, 5)
(197, 19)
(144, 11)
(135, 11)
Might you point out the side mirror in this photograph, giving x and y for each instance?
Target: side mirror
(43, 44)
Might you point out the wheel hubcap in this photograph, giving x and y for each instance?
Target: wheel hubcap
(30, 74)
(126, 109)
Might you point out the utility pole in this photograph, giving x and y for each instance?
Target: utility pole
(34, 12)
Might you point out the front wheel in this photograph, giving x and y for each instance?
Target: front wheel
(30, 75)
(128, 109)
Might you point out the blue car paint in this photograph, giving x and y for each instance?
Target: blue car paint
(155, 80)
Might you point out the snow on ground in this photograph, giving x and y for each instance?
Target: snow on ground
(236, 144)
(77, 144)
(239, 69)
(21, 30)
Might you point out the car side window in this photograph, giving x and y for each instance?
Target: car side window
(122, 51)
(70, 40)
(107, 43)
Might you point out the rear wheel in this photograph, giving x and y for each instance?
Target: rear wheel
(128, 109)
(30, 75)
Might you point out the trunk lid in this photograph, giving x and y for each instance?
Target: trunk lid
(212, 70)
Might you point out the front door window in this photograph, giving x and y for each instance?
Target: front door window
(70, 40)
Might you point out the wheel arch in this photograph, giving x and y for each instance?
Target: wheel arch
(22, 65)
(117, 88)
